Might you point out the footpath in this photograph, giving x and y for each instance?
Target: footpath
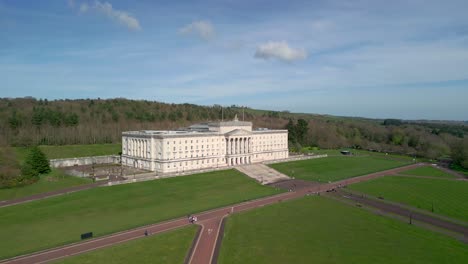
(210, 221)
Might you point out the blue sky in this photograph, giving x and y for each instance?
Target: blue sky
(401, 59)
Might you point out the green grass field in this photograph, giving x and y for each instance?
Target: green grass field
(55, 180)
(169, 247)
(450, 198)
(428, 171)
(73, 151)
(357, 152)
(320, 230)
(336, 168)
(58, 220)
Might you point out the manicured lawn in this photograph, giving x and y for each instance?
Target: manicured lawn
(321, 230)
(357, 152)
(56, 179)
(428, 171)
(169, 247)
(450, 198)
(58, 220)
(73, 151)
(53, 181)
(336, 168)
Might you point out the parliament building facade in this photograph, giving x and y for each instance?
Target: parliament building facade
(203, 146)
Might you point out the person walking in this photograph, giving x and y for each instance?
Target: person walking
(146, 232)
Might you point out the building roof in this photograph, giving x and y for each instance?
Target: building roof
(239, 132)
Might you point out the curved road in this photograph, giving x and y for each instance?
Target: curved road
(209, 220)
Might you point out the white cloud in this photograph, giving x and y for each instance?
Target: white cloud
(203, 29)
(84, 7)
(106, 8)
(279, 50)
(120, 16)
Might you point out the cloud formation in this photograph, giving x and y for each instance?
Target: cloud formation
(279, 50)
(201, 28)
(84, 7)
(106, 8)
(120, 16)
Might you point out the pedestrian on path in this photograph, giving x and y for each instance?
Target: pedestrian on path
(146, 232)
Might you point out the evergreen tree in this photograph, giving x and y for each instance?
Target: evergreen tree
(37, 161)
(291, 131)
(301, 130)
(28, 174)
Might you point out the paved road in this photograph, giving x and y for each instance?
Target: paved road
(204, 248)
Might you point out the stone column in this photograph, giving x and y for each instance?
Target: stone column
(226, 142)
(246, 145)
(241, 145)
(235, 146)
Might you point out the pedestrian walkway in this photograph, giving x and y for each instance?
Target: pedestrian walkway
(262, 173)
(210, 220)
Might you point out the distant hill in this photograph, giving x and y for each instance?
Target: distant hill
(27, 121)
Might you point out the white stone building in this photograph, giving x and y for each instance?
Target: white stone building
(203, 146)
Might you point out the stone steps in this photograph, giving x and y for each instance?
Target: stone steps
(262, 173)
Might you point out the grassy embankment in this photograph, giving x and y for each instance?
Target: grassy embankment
(60, 220)
(73, 151)
(57, 179)
(428, 171)
(320, 230)
(169, 247)
(448, 198)
(337, 168)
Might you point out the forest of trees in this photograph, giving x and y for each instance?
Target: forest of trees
(30, 121)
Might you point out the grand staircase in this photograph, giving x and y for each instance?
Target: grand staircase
(262, 173)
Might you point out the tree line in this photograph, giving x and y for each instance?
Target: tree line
(30, 121)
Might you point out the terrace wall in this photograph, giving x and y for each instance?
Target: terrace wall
(59, 163)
